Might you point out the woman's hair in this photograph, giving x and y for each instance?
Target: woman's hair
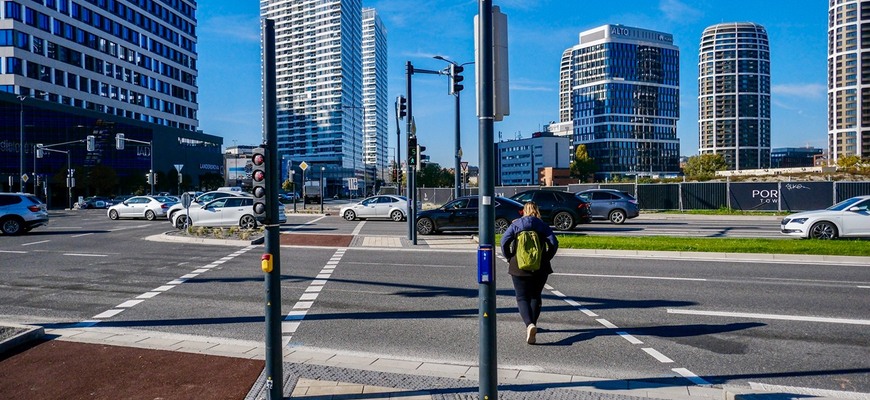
(531, 210)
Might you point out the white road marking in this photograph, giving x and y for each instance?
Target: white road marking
(606, 323)
(83, 234)
(810, 392)
(147, 295)
(306, 300)
(309, 223)
(685, 373)
(85, 255)
(864, 287)
(13, 251)
(658, 356)
(108, 314)
(772, 316)
(304, 305)
(358, 228)
(129, 303)
(631, 339)
(162, 288)
(32, 243)
(666, 278)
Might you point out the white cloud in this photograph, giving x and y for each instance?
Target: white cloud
(531, 88)
(233, 27)
(675, 10)
(804, 90)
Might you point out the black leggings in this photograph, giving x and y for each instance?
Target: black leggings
(529, 290)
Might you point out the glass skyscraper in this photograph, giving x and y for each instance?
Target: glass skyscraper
(375, 102)
(319, 77)
(848, 78)
(734, 94)
(625, 98)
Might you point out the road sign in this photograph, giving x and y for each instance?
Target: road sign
(24, 178)
(464, 165)
(303, 165)
(178, 167)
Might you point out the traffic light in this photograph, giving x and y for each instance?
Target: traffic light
(412, 151)
(455, 78)
(148, 178)
(258, 176)
(401, 107)
(119, 141)
(91, 143)
(420, 157)
(39, 151)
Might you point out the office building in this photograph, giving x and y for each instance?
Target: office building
(375, 102)
(848, 79)
(794, 157)
(76, 68)
(519, 161)
(734, 94)
(319, 75)
(624, 100)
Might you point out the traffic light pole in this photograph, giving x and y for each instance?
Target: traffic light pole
(411, 130)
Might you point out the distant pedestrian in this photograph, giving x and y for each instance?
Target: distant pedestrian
(528, 280)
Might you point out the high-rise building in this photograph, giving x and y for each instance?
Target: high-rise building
(319, 75)
(734, 94)
(625, 99)
(375, 102)
(848, 78)
(73, 69)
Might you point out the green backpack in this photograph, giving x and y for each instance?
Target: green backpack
(529, 251)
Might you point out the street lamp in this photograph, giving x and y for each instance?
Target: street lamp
(458, 149)
(21, 145)
(293, 185)
(321, 188)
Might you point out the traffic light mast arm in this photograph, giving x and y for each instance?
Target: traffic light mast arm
(46, 146)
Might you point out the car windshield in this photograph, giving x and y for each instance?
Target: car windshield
(844, 204)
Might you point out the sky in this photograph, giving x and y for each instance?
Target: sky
(538, 32)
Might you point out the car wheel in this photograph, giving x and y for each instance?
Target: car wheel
(563, 221)
(425, 226)
(823, 230)
(349, 215)
(617, 216)
(397, 216)
(149, 215)
(501, 225)
(248, 222)
(113, 214)
(182, 221)
(12, 226)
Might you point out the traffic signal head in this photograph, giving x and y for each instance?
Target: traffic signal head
(412, 151)
(401, 107)
(39, 151)
(456, 79)
(420, 157)
(91, 143)
(119, 141)
(258, 178)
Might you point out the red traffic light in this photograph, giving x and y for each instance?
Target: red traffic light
(258, 176)
(258, 159)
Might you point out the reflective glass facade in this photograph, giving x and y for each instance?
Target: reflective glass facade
(734, 95)
(848, 78)
(625, 100)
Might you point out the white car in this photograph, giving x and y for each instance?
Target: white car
(147, 207)
(224, 211)
(202, 199)
(383, 206)
(848, 218)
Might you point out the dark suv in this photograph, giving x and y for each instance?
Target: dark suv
(560, 209)
(21, 212)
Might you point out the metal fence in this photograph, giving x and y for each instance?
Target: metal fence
(748, 196)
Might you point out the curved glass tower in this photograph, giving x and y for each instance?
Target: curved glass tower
(734, 94)
(848, 81)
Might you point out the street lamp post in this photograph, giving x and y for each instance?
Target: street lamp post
(293, 185)
(458, 147)
(321, 188)
(21, 144)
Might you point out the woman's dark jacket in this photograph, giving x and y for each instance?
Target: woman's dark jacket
(548, 238)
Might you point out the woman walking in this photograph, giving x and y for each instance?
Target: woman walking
(529, 284)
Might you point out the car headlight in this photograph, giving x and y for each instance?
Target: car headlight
(799, 221)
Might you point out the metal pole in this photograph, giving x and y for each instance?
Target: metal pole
(21, 145)
(488, 363)
(457, 147)
(409, 70)
(151, 146)
(69, 180)
(293, 185)
(274, 354)
(35, 187)
(321, 189)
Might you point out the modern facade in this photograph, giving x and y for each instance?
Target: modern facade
(848, 79)
(624, 100)
(794, 157)
(319, 75)
(375, 102)
(519, 161)
(734, 94)
(90, 67)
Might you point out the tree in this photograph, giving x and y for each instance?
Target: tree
(704, 166)
(432, 175)
(582, 167)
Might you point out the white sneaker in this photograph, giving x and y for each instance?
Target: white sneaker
(531, 331)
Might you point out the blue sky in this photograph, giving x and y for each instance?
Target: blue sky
(539, 31)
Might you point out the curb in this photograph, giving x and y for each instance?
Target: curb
(26, 334)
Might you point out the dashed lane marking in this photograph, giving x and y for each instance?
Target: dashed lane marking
(33, 243)
(772, 316)
(692, 377)
(358, 228)
(658, 356)
(306, 300)
(85, 255)
(665, 278)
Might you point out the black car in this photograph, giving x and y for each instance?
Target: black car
(95, 202)
(562, 210)
(462, 214)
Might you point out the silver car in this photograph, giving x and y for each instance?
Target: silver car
(224, 211)
(202, 199)
(384, 206)
(610, 204)
(148, 207)
(21, 212)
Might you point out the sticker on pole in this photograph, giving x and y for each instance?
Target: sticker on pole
(484, 264)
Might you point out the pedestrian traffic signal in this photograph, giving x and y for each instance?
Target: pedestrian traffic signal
(401, 107)
(119, 141)
(91, 143)
(258, 176)
(412, 151)
(420, 157)
(455, 78)
(39, 151)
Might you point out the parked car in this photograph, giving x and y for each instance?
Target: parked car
(560, 209)
(202, 199)
(95, 202)
(223, 211)
(147, 207)
(462, 214)
(20, 212)
(848, 218)
(609, 204)
(385, 206)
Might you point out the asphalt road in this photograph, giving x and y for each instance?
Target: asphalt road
(798, 324)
